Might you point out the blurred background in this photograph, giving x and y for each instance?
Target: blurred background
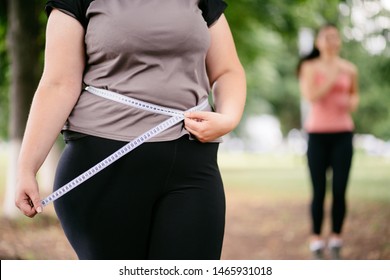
(263, 161)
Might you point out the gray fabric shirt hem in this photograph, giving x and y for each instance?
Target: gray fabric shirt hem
(157, 138)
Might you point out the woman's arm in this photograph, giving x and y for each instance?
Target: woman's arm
(354, 100)
(227, 78)
(56, 95)
(309, 88)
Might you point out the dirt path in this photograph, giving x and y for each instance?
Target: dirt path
(278, 230)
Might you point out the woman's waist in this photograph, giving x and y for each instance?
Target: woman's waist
(108, 114)
(329, 122)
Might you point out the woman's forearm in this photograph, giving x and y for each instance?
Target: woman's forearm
(354, 102)
(320, 92)
(316, 92)
(51, 106)
(230, 94)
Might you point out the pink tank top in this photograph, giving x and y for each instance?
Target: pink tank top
(331, 112)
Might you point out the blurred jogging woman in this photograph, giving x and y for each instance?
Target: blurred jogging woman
(330, 85)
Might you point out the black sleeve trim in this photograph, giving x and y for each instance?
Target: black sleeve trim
(74, 8)
(212, 10)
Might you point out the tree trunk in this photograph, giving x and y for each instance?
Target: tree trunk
(24, 48)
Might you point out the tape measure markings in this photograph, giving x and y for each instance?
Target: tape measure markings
(177, 116)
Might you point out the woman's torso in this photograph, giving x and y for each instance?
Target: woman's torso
(152, 50)
(331, 113)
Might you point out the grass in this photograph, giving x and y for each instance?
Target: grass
(287, 176)
(284, 176)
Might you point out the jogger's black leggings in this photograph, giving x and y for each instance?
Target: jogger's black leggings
(164, 200)
(329, 150)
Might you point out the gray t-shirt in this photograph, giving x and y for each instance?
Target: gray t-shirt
(151, 50)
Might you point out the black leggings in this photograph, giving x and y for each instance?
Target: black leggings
(164, 200)
(329, 150)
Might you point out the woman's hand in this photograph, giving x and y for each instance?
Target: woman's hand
(208, 126)
(312, 89)
(27, 196)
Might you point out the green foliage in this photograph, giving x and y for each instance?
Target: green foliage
(4, 59)
(266, 40)
(281, 17)
(373, 115)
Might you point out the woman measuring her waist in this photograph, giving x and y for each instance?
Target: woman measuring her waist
(165, 199)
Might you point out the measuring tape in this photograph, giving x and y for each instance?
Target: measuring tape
(176, 117)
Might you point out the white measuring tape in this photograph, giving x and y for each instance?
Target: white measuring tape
(176, 117)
